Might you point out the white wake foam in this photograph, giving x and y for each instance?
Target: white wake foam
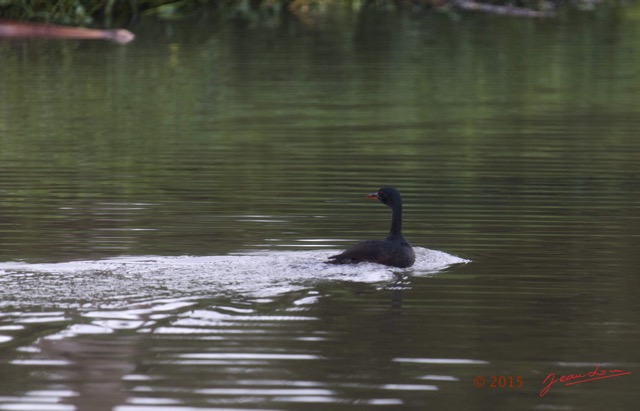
(258, 274)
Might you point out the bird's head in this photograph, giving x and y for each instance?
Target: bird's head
(388, 196)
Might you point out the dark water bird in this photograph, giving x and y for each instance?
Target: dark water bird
(394, 250)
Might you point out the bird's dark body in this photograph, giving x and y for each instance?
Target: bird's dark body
(378, 251)
(393, 251)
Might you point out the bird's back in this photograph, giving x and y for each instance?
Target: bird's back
(391, 253)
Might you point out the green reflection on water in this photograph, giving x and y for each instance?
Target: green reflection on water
(174, 144)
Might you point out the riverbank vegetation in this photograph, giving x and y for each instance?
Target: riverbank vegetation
(109, 12)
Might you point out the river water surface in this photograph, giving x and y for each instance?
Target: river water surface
(166, 209)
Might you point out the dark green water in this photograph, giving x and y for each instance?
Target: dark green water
(165, 208)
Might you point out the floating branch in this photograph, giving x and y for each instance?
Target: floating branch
(15, 29)
(503, 10)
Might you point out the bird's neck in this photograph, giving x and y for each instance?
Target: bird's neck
(395, 232)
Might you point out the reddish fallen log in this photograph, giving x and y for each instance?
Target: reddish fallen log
(14, 29)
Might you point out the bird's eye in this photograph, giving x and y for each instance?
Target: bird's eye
(381, 195)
